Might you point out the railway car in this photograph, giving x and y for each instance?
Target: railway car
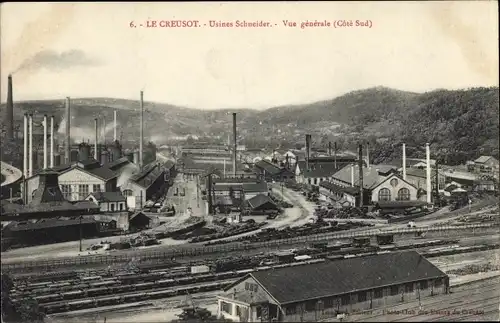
(162, 294)
(166, 283)
(55, 308)
(48, 298)
(387, 247)
(81, 304)
(185, 280)
(120, 289)
(103, 283)
(136, 297)
(349, 256)
(107, 301)
(73, 295)
(244, 271)
(263, 268)
(335, 257)
(99, 291)
(144, 286)
(204, 278)
(90, 278)
(315, 261)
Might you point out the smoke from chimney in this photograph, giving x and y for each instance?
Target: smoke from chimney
(68, 131)
(141, 140)
(235, 144)
(9, 117)
(360, 175)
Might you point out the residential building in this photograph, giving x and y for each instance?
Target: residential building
(109, 201)
(313, 292)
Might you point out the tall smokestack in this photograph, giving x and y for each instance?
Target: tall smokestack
(235, 144)
(308, 150)
(96, 155)
(335, 155)
(352, 175)
(360, 175)
(329, 148)
(103, 130)
(68, 133)
(51, 141)
(404, 161)
(367, 155)
(141, 140)
(30, 149)
(25, 154)
(428, 169)
(114, 126)
(44, 141)
(9, 117)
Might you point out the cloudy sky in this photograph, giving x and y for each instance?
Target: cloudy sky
(89, 50)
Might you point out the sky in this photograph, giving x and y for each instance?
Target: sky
(55, 50)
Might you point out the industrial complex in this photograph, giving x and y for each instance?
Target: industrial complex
(92, 227)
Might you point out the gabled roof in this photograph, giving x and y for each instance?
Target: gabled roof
(119, 163)
(268, 167)
(148, 176)
(371, 175)
(260, 186)
(391, 177)
(101, 172)
(332, 278)
(336, 188)
(108, 196)
(261, 200)
(483, 159)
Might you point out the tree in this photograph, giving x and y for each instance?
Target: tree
(27, 311)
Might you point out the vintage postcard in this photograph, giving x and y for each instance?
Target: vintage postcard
(250, 161)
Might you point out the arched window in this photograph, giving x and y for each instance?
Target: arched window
(404, 194)
(384, 195)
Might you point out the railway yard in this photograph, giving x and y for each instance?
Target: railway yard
(154, 283)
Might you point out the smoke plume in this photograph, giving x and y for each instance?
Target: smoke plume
(126, 173)
(85, 134)
(54, 61)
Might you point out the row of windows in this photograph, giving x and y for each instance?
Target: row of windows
(251, 287)
(385, 194)
(83, 190)
(362, 297)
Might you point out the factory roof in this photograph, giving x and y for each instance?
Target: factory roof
(340, 277)
(49, 223)
(148, 176)
(252, 187)
(261, 201)
(268, 167)
(119, 163)
(108, 196)
(483, 159)
(336, 188)
(372, 175)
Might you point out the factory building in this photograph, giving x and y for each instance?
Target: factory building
(270, 172)
(313, 292)
(148, 185)
(109, 201)
(78, 180)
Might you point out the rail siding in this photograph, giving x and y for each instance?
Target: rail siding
(201, 250)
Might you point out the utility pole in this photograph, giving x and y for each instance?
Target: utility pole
(81, 233)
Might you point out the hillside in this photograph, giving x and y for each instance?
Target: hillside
(462, 123)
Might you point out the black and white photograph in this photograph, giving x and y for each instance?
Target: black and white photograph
(271, 161)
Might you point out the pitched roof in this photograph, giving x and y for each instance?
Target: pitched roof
(268, 167)
(336, 188)
(260, 200)
(260, 186)
(343, 276)
(371, 175)
(101, 172)
(119, 163)
(148, 176)
(108, 196)
(483, 159)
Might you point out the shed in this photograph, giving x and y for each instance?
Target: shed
(139, 220)
(261, 202)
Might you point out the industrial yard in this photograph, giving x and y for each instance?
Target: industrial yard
(225, 184)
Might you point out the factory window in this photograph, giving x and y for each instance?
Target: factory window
(423, 284)
(66, 191)
(384, 195)
(291, 310)
(362, 297)
(251, 287)
(127, 193)
(394, 182)
(83, 191)
(96, 188)
(226, 307)
(404, 194)
(379, 293)
(438, 282)
(346, 299)
(409, 287)
(394, 290)
(258, 311)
